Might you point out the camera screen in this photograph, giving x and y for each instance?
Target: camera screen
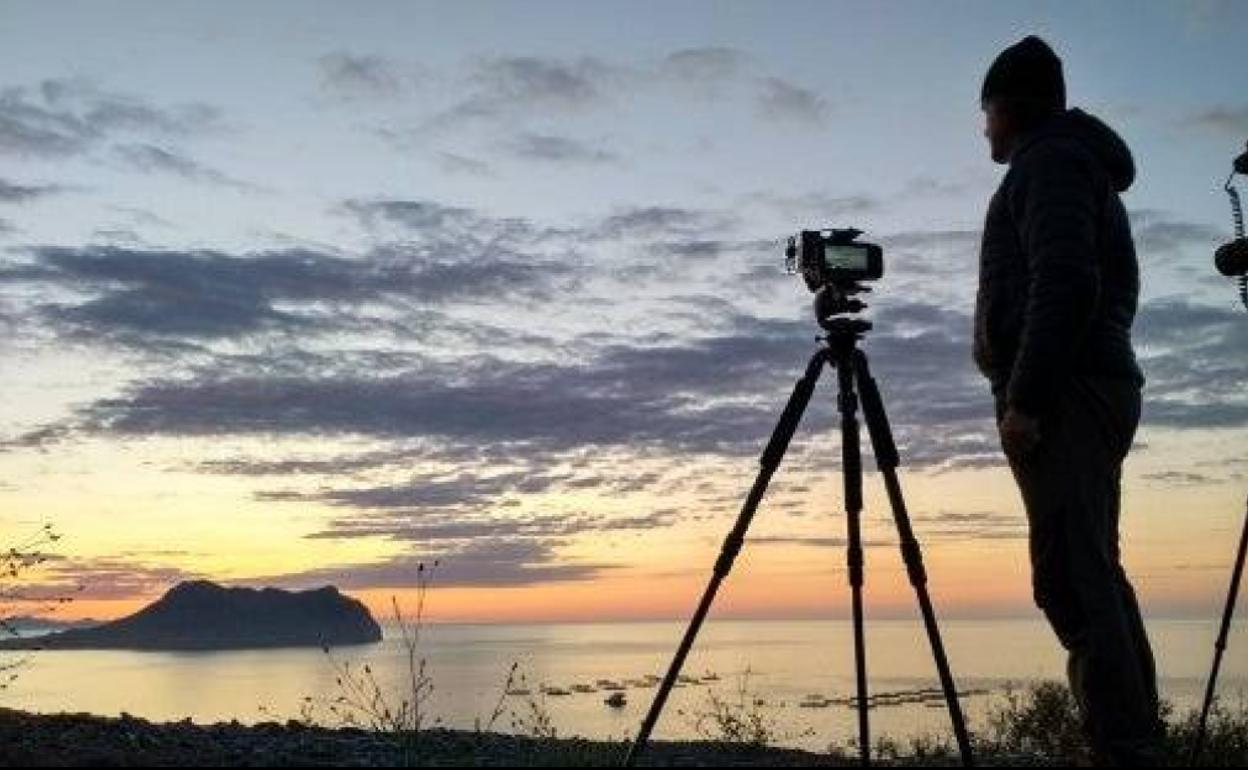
(845, 257)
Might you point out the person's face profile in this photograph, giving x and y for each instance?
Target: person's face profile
(996, 130)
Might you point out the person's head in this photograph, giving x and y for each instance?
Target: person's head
(1023, 88)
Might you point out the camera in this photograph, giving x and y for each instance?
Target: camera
(833, 258)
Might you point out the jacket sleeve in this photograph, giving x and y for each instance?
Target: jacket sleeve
(1055, 201)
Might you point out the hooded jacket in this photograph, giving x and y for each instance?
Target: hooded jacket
(1058, 277)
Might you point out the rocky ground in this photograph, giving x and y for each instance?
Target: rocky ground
(82, 739)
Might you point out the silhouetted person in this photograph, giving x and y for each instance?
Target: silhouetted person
(1058, 285)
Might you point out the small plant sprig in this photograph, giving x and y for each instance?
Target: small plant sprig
(535, 721)
(500, 704)
(364, 702)
(741, 720)
(16, 564)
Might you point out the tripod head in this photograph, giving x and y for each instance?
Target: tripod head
(835, 300)
(1231, 258)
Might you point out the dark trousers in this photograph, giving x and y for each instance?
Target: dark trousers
(1070, 483)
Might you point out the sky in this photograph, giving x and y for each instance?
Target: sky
(307, 293)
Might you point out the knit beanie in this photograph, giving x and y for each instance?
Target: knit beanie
(1029, 73)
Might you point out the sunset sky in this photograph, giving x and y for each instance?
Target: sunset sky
(306, 293)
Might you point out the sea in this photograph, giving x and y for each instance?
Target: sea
(793, 678)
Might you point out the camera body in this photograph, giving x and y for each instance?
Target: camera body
(833, 258)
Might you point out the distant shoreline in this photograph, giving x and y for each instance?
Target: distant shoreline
(33, 644)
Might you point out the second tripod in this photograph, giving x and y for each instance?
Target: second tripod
(842, 353)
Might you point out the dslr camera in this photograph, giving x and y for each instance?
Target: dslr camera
(833, 258)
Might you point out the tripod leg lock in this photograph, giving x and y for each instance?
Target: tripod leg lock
(913, 557)
(847, 402)
(854, 563)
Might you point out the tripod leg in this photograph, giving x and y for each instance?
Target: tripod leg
(1220, 646)
(887, 459)
(851, 462)
(769, 461)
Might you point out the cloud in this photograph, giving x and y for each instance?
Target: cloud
(505, 90)
(102, 578)
(706, 65)
(150, 158)
(1180, 478)
(703, 249)
(971, 525)
(713, 391)
(425, 491)
(557, 149)
(812, 542)
(360, 76)
(483, 561)
(117, 236)
(453, 233)
(339, 464)
(779, 99)
(658, 221)
(11, 192)
(710, 73)
(477, 563)
(453, 163)
(506, 86)
(1192, 357)
(1159, 237)
(132, 294)
(61, 117)
(715, 72)
(548, 406)
(1228, 121)
(929, 186)
(529, 79)
(716, 395)
(816, 205)
(429, 525)
(185, 294)
(140, 216)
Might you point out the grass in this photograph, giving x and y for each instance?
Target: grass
(1040, 725)
(745, 718)
(1226, 736)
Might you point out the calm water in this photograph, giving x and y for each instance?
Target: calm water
(788, 660)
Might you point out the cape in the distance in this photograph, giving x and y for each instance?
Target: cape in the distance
(201, 615)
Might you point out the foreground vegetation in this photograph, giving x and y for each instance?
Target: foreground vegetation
(1036, 727)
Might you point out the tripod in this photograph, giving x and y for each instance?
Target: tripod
(840, 352)
(1232, 261)
(1220, 645)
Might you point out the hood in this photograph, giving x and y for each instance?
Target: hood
(1100, 139)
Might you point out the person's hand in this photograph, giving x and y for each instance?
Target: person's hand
(1019, 432)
